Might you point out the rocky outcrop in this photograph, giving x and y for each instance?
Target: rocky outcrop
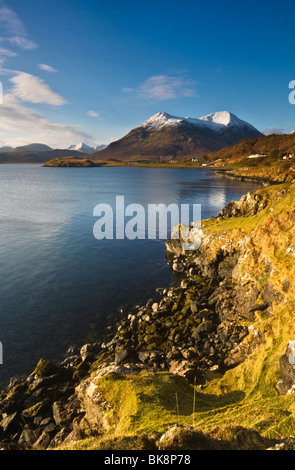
(248, 205)
(70, 162)
(265, 176)
(42, 410)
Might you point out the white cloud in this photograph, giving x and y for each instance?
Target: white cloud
(14, 29)
(32, 89)
(93, 114)
(47, 68)
(5, 54)
(11, 21)
(16, 118)
(22, 42)
(164, 87)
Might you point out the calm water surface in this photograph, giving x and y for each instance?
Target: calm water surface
(61, 286)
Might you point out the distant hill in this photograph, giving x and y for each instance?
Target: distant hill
(36, 156)
(164, 137)
(274, 146)
(41, 153)
(6, 149)
(33, 148)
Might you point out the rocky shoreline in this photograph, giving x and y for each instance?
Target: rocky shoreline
(182, 333)
(196, 330)
(264, 177)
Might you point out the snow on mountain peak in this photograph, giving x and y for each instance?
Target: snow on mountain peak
(162, 119)
(86, 149)
(218, 121)
(81, 147)
(224, 118)
(221, 117)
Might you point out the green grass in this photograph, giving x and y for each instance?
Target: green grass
(146, 405)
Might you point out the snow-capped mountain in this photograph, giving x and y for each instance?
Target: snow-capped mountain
(100, 147)
(85, 149)
(81, 148)
(218, 122)
(163, 137)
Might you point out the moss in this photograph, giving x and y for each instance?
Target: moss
(45, 368)
(32, 411)
(18, 388)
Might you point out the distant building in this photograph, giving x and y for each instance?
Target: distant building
(195, 159)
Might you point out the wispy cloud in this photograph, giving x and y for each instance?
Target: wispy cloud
(22, 42)
(14, 29)
(5, 54)
(32, 89)
(93, 114)
(18, 118)
(164, 87)
(47, 68)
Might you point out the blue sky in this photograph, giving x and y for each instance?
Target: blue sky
(92, 70)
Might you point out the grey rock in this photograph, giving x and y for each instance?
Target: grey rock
(9, 422)
(28, 436)
(61, 416)
(121, 356)
(42, 442)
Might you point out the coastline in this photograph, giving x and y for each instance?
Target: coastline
(263, 175)
(194, 334)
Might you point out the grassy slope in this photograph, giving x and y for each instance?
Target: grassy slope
(271, 233)
(274, 146)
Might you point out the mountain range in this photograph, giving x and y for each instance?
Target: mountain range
(161, 138)
(41, 153)
(82, 148)
(85, 149)
(164, 137)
